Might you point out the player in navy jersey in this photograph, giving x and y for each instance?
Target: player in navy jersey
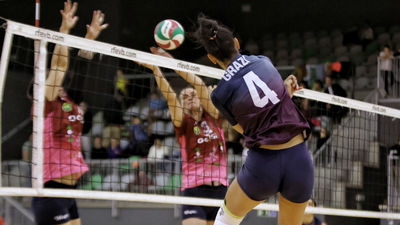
(253, 97)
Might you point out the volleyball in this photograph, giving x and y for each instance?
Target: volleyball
(169, 34)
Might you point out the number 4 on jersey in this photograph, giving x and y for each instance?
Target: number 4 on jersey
(251, 80)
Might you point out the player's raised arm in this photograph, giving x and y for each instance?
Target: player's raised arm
(174, 105)
(59, 60)
(93, 31)
(202, 90)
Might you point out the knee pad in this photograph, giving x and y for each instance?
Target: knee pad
(225, 217)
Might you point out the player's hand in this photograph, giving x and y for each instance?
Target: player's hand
(96, 26)
(160, 51)
(291, 84)
(211, 88)
(68, 16)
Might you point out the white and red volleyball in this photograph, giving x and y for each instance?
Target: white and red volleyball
(169, 34)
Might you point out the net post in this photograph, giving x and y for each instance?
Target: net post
(38, 117)
(5, 55)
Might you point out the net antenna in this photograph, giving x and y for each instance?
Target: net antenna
(96, 186)
(37, 22)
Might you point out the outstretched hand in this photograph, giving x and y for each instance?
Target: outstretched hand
(291, 84)
(160, 51)
(96, 26)
(68, 16)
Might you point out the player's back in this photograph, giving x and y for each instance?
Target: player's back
(256, 96)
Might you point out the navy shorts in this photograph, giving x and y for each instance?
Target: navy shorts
(288, 171)
(50, 211)
(203, 212)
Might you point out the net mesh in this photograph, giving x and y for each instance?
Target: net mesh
(128, 139)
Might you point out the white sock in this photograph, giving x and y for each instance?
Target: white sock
(225, 217)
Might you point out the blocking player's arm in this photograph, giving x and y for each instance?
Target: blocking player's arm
(174, 105)
(59, 60)
(202, 90)
(93, 31)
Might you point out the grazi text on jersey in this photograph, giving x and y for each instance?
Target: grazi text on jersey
(235, 67)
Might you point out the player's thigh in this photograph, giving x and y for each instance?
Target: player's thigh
(290, 213)
(194, 221)
(73, 222)
(237, 202)
(210, 222)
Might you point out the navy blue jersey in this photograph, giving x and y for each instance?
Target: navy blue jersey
(252, 93)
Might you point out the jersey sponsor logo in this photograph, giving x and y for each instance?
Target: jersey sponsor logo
(236, 65)
(74, 118)
(61, 217)
(190, 212)
(66, 107)
(196, 130)
(209, 134)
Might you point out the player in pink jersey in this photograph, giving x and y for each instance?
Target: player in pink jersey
(199, 132)
(63, 160)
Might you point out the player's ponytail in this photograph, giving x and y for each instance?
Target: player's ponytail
(215, 38)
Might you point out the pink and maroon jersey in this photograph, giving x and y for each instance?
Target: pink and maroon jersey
(62, 139)
(203, 151)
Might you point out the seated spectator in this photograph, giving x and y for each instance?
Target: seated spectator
(98, 151)
(138, 143)
(114, 150)
(27, 150)
(141, 181)
(366, 34)
(397, 51)
(332, 87)
(318, 86)
(310, 219)
(157, 105)
(87, 125)
(396, 147)
(113, 116)
(157, 151)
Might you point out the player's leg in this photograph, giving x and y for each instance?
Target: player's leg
(258, 179)
(290, 213)
(73, 222)
(217, 192)
(236, 205)
(50, 211)
(74, 215)
(193, 214)
(194, 221)
(237, 201)
(210, 222)
(297, 185)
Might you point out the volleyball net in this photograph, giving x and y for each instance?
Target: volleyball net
(128, 140)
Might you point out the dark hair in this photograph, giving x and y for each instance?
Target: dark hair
(387, 46)
(215, 38)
